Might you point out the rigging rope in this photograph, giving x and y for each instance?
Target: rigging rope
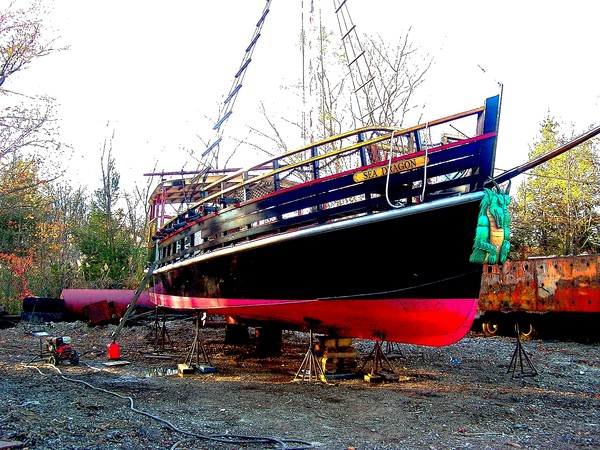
(357, 64)
(425, 163)
(387, 178)
(404, 289)
(237, 82)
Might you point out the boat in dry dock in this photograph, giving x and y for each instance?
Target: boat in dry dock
(379, 232)
(365, 234)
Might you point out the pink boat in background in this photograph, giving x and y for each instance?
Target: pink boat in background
(101, 305)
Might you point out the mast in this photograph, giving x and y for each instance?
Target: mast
(518, 170)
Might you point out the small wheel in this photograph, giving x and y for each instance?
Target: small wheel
(527, 331)
(52, 360)
(490, 328)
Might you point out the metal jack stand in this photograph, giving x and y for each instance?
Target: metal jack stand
(197, 347)
(378, 372)
(310, 369)
(392, 350)
(527, 369)
(162, 340)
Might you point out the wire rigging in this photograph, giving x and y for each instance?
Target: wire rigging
(358, 66)
(389, 171)
(430, 143)
(237, 83)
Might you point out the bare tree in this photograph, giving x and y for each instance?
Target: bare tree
(138, 217)
(399, 72)
(21, 39)
(29, 131)
(395, 73)
(27, 125)
(107, 197)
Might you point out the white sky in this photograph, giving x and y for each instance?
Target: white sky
(153, 71)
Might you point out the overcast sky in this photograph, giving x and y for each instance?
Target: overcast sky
(153, 71)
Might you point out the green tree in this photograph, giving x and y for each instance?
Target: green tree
(105, 241)
(37, 256)
(59, 259)
(106, 249)
(554, 211)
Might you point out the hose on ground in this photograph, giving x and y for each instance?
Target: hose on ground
(223, 438)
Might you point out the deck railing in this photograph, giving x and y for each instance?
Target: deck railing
(344, 145)
(314, 183)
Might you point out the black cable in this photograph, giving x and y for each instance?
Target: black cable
(224, 438)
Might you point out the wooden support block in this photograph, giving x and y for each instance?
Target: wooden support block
(184, 369)
(340, 355)
(341, 342)
(373, 378)
(116, 363)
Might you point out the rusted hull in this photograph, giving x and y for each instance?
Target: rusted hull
(554, 284)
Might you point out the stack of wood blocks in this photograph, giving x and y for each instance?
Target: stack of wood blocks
(337, 355)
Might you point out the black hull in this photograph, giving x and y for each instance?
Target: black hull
(345, 279)
(417, 253)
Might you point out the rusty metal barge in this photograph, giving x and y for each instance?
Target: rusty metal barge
(559, 294)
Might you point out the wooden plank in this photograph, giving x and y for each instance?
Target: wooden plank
(351, 354)
(157, 357)
(184, 369)
(338, 342)
(116, 363)
(10, 444)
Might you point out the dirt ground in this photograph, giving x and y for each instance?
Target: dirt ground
(464, 396)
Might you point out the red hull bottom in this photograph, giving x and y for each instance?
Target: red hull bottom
(431, 322)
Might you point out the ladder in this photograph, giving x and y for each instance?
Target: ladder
(238, 80)
(367, 97)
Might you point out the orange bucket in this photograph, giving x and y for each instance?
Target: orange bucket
(112, 350)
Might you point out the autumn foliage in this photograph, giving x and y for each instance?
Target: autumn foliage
(19, 267)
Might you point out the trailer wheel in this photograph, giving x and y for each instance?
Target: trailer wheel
(527, 331)
(490, 328)
(52, 360)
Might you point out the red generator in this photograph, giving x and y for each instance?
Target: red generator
(60, 350)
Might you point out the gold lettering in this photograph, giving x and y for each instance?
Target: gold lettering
(400, 166)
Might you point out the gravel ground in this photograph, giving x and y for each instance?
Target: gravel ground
(464, 396)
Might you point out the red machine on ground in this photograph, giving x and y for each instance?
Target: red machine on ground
(59, 350)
